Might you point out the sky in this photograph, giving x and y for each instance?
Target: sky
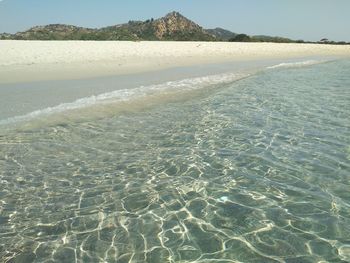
(296, 19)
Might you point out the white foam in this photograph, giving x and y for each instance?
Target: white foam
(130, 94)
(296, 64)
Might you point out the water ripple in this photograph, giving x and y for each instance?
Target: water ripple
(256, 171)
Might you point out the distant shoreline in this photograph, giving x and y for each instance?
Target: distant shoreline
(24, 61)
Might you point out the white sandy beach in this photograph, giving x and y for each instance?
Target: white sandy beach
(22, 61)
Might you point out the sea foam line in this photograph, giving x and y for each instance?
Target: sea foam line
(296, 64)
(130, 94)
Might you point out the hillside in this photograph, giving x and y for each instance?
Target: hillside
(173, 26)
(54, 32)
(221, 34)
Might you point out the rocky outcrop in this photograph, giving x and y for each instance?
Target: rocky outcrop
(173, 26)
(175, 23)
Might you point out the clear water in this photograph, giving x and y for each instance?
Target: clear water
(256, 170)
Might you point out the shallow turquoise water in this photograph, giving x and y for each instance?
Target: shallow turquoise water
(251, 171)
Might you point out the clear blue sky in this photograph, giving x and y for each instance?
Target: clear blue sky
(297, 19)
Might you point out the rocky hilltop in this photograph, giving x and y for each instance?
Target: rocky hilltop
(173, 26)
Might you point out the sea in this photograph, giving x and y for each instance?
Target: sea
(221, 164)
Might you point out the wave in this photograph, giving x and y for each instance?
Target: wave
(124, 95)
(296, 64)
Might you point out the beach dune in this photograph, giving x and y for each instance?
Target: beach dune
(22, 61)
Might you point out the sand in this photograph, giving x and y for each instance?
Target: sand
(23, 61)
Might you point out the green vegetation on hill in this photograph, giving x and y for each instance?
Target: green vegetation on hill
(241, 38)
(173, 26)
(221, 34)
(246, 38)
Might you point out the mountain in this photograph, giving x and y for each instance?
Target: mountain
(173, 26)
(221, 34)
